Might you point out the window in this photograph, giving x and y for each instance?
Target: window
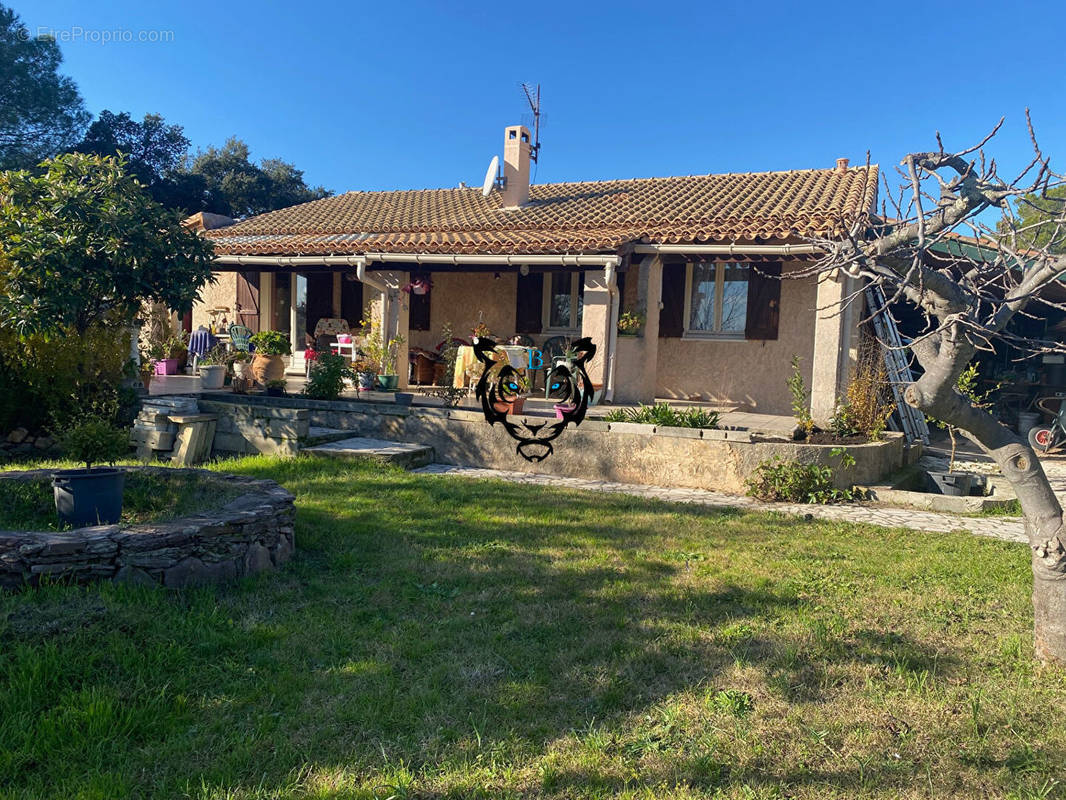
(563, 302)
(716, 299)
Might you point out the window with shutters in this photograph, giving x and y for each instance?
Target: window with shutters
(716, 300)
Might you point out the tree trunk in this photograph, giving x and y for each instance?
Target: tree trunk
(1044, 523)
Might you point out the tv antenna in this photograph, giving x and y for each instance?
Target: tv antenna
(533, 97)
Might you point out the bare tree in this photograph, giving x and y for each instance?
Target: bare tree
(968, 303)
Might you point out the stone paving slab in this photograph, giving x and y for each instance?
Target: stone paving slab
(405, 454)
(1010, 529)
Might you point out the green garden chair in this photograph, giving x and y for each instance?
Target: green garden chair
(240, 337)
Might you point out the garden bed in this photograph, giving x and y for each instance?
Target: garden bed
(149, 496)
(180, 527)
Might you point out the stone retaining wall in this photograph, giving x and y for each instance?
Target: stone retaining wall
(250, 534)
(248, 427)
(625, 452)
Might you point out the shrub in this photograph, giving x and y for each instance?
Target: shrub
(328, 373)
(781, 481)
(665, 416)
(865, 407)
(45, 381)
(94, 441)
(801, 398)
(271, 343)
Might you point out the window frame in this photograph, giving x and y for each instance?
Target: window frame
(717, 334)
(577, 280)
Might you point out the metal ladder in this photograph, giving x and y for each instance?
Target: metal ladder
(899, 371)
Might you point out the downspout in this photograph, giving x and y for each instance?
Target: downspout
(611, 278)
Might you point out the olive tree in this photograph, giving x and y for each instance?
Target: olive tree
(968, 303)
(82, 243)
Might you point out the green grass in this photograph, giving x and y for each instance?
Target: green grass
(30, 505)
(436, 637)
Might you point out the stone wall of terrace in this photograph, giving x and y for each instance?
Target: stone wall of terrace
(720, 460)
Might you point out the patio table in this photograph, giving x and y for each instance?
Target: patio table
(465, 365)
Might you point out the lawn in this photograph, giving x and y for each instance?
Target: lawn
(437, 637)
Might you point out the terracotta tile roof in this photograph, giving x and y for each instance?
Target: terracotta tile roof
(586, 217)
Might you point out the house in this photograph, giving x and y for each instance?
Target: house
(706, 258)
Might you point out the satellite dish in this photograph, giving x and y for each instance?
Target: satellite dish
(490, 176)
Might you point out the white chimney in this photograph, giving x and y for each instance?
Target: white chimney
(516, 146)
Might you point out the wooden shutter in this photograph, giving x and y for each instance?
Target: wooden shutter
(248, 299)
(529, 302)
(418, 319)
(672, 315)
(764, 301)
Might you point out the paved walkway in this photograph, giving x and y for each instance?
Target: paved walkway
(1006, 528)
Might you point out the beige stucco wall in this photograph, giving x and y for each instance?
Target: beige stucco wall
(747, 374)
(459, 297)
(221, 293)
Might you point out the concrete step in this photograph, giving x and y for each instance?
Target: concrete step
(316, 436)
(403, 454)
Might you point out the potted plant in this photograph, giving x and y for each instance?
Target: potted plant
(366, 374)
(419, 286)
(240, 361)
(518, 403)
(630, 323)
(275, 388)
(162, 364)
(388, 380)
(178, 350)
(382, 354)
(91, 496)
(145, 369)
(212, 368)
(267, 362)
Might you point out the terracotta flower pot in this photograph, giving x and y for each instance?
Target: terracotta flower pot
(267, 368)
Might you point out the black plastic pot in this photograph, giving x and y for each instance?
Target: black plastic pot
(403, 398)
(89, 496)
(956, 484)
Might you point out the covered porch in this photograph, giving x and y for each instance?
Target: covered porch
(686, 350)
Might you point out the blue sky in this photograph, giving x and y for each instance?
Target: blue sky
(413, 94)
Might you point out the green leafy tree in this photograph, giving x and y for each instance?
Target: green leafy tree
(82, 243)
(237, 187)
(155, 155)
(1036, 215)
(41, 112)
